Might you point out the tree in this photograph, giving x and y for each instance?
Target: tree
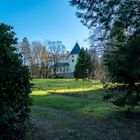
(119, 36)
(84, 65)
(56, 53)
(26, 51)
(44, 66)
(94, 61)
(123, 62)
(102, 14)
(38, 59)
(15, 86)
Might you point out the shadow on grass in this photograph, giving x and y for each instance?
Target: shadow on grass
(87, 104)
(87, 94)
(84, 115)
(123, 114)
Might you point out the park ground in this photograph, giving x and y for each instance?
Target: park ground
(68, 109)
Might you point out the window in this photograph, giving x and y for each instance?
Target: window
(72, 56)
(72, 60)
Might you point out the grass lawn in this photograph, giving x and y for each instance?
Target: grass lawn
(66, 109)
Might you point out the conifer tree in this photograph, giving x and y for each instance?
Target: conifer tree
(123, 61)
(83, 67)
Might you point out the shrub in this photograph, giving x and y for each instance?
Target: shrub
(15, 86)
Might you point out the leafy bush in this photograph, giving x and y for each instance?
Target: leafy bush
(15, 86)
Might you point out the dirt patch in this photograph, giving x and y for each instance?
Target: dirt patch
(56, 124)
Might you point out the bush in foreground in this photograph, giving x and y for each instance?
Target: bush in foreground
(15, 86)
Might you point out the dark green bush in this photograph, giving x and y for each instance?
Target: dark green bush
(15, 86)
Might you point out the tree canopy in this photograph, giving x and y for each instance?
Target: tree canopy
(84, 65)
(117, 23)
(100, 15)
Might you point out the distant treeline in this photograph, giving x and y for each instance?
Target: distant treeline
(40, 56)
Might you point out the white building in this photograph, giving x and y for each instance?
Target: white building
(66, 69)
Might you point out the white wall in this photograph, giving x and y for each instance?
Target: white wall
(71, 66)
(72, 62)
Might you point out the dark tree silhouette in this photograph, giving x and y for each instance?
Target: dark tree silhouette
(15, 86)
(84, 65)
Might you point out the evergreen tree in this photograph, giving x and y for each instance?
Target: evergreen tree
(14, 86)
(83, 67)
(123, 61)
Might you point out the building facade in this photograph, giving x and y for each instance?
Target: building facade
(66, 69)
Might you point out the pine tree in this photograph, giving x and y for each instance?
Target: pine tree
(83, 67)
(123, 61)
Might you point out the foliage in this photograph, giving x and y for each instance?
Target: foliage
(123, 61)
(120, 37)
(84, 65)
(115, 54)
(102, 14)
(14, 86)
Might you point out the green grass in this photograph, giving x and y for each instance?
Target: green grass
(58, 84)
(70, 109)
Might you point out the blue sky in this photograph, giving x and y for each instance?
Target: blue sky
(41, 20)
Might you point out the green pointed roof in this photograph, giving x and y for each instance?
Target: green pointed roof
(76, 49)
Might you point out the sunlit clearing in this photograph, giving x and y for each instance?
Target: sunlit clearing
(43, 92)
(39, 92)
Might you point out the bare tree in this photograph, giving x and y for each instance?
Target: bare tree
(36, 58)
(25, 50)
(56, 53)
(44, 65)
(39, 66)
